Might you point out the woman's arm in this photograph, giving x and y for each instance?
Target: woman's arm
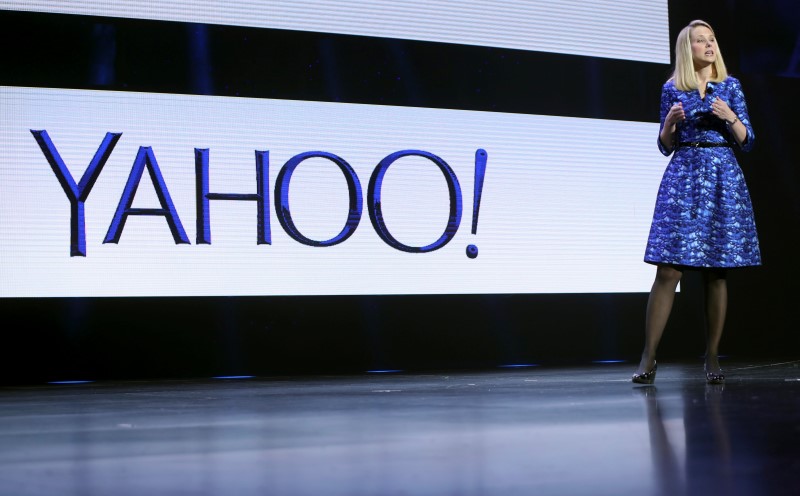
(671, 114)
(734, 113)
(670, 127)
(738, 130)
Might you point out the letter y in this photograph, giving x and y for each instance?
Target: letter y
(76, 193)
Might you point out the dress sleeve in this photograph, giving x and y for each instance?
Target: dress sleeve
(739, 106)
(666, 103)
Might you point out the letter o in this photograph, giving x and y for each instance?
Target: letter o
(282, 199)
(374, 202)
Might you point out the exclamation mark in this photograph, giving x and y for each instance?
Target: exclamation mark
(480, 172)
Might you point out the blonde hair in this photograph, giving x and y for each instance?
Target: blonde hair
(684, 76)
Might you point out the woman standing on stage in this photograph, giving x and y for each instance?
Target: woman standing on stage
(703, 217)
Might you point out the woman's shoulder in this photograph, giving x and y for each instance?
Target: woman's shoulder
(732, 82)
(670, 90)
(669, 87)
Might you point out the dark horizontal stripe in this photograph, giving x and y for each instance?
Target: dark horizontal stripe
(130, 338)
(81, 52)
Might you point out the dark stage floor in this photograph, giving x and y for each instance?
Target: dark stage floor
(532, 431)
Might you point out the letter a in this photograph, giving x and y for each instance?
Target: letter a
(145, 158)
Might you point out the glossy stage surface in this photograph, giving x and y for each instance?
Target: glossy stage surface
(528, 431)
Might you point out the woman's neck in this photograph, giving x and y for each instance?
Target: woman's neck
(704, 75)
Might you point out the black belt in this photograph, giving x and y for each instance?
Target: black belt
(702, 144)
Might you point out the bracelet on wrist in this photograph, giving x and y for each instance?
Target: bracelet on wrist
(731, 123)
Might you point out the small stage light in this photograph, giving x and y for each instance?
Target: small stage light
(233, 377)
(61, 383)
(518, 365)
(609, 361)
(383, 371)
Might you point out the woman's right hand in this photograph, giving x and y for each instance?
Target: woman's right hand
(675, 115)
(670, 129)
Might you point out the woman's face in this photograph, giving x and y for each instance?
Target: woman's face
(704, 46)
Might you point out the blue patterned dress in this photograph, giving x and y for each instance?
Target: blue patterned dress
(703, 216)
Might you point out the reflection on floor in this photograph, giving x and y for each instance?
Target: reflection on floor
(532, 431)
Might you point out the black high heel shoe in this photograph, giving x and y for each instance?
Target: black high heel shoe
(715, 378)
(648, 377)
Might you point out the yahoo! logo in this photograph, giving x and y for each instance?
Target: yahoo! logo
(77, 193)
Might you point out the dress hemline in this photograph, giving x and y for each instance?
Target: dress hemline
(700, 267)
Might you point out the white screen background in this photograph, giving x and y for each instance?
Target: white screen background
(566, 203)
(601, 28)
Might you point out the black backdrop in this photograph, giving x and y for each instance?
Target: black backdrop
(139, 338)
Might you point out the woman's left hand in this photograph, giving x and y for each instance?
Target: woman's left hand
(721, 109)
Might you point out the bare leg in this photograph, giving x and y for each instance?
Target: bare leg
(716, 299)
(659, 306)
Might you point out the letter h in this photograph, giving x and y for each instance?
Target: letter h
(203, 197)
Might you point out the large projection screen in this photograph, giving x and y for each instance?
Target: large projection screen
(123, 193)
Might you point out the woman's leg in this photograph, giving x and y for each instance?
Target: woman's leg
(659, 306)
(716, 299)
